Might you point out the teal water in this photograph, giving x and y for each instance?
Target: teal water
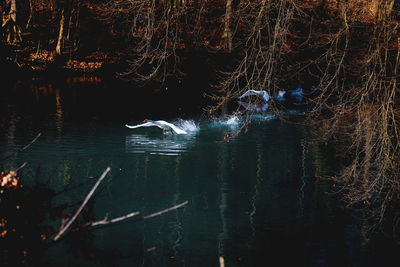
(252, 198)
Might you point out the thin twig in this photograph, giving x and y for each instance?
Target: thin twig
(33, 141)
(20, 167)
(165, 211)
(83, 205)
(118, 219)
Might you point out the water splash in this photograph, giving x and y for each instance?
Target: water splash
(188, 125)
(232, 121)
(228, 123)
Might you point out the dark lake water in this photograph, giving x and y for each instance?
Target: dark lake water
(253, 199)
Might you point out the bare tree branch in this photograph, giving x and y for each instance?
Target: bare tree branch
(22, 166)
(65, 228)
(166, 210)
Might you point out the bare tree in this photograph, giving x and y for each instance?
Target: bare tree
(373, 176)
(154, 31)
(264, 46)
(358, 104)
(357, 84)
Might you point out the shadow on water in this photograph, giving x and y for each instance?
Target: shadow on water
(253, 200)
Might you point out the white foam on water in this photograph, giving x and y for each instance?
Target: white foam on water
(231, 122)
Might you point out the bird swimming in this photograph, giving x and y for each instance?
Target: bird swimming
(160, 124)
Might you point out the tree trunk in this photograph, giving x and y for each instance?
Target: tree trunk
(69, 26)
(15, 28)
(76, 39)
(13, 11)
(30, 14)
(227, 28)
(60, 34)
(1, 20)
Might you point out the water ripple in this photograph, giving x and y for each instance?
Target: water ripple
(168, 145)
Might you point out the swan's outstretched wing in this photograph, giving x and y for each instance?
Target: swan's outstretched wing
(164, 124)
(262, 94)
(160, 124)
(250, 92)
(146, 124)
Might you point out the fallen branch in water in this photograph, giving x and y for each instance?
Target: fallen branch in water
(118, 219)
(165, 211)
(65, 228)
(105, 221)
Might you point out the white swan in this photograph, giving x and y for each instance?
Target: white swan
(263, 94)
(280, 96)
(160, 124)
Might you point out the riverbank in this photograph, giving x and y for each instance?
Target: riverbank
(96, 37)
